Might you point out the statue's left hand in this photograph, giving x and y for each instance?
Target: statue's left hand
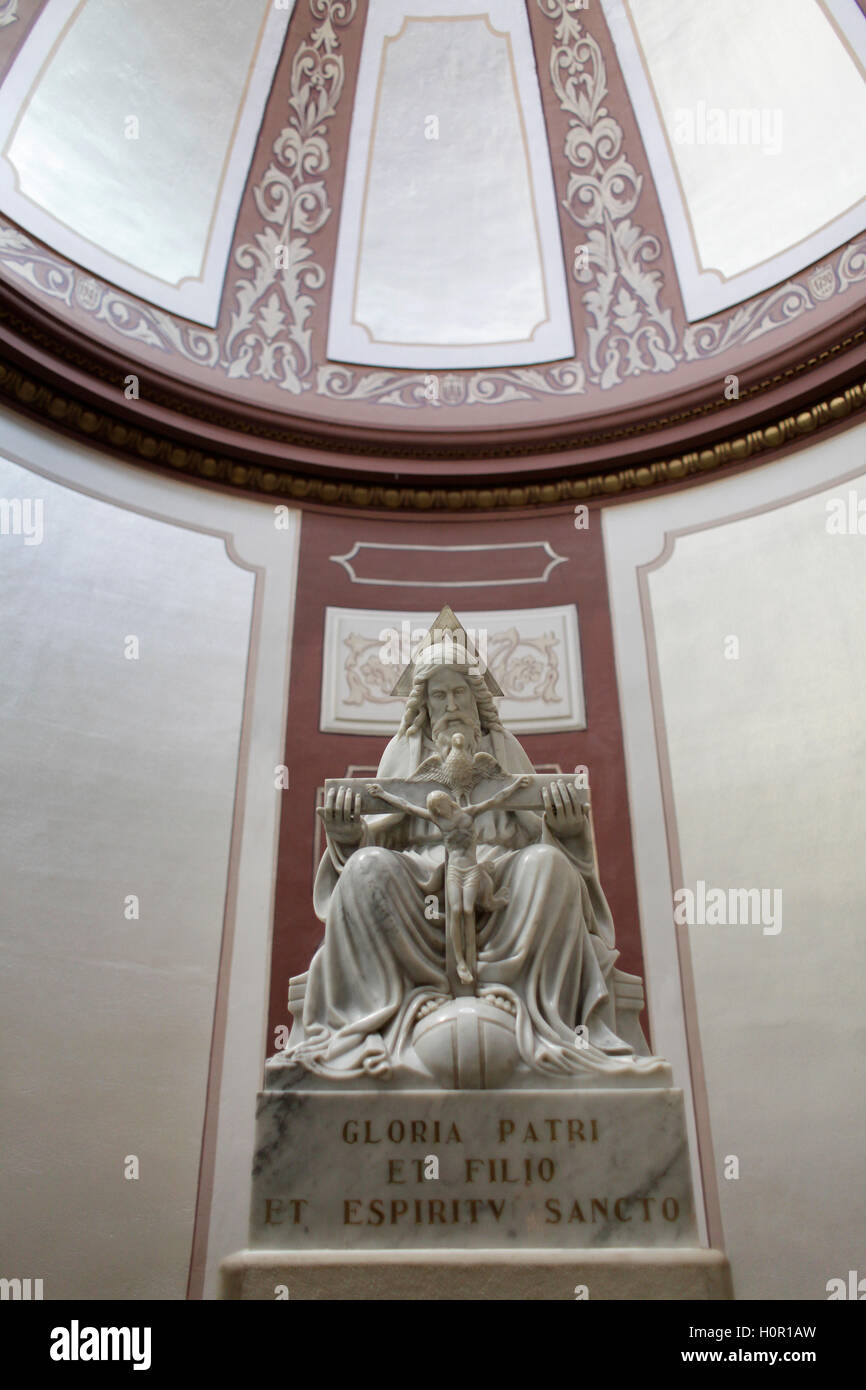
(563, 810)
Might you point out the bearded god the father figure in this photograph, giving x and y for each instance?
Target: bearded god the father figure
(544, 956)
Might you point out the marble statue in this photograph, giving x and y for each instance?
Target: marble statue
(468, 947)
(462, 915)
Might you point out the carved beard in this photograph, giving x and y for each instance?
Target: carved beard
(458, 723)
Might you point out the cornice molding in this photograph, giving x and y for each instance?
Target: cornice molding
(34, 342)
(151, 448)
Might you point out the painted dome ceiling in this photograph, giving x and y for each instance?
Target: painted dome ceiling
(515, 236)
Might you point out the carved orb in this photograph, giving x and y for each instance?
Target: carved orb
(468, 1044)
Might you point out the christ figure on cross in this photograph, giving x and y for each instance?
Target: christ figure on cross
(467, 883)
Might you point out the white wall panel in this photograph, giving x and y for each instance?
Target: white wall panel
(449, 252)
(754, 119)
(761, 757)
(151, 777)
(127, 130)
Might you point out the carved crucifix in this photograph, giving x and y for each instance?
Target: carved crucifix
(436, 795)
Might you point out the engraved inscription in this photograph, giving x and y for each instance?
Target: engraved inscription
(542, 1171)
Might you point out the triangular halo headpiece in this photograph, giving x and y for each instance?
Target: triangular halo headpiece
(447, 622)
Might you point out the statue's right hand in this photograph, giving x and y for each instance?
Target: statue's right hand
(341, 815)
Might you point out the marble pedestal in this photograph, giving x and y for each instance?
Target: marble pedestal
(500, 1194)
(476, 1275)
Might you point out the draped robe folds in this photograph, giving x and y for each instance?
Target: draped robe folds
(549, 951)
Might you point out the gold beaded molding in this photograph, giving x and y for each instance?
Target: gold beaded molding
(143, 446)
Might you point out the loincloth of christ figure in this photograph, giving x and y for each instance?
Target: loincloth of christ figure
(467, 883)
(547, 952)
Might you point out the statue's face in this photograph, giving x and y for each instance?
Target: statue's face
(451, 706)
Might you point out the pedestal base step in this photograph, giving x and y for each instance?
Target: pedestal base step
(370, 1276)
